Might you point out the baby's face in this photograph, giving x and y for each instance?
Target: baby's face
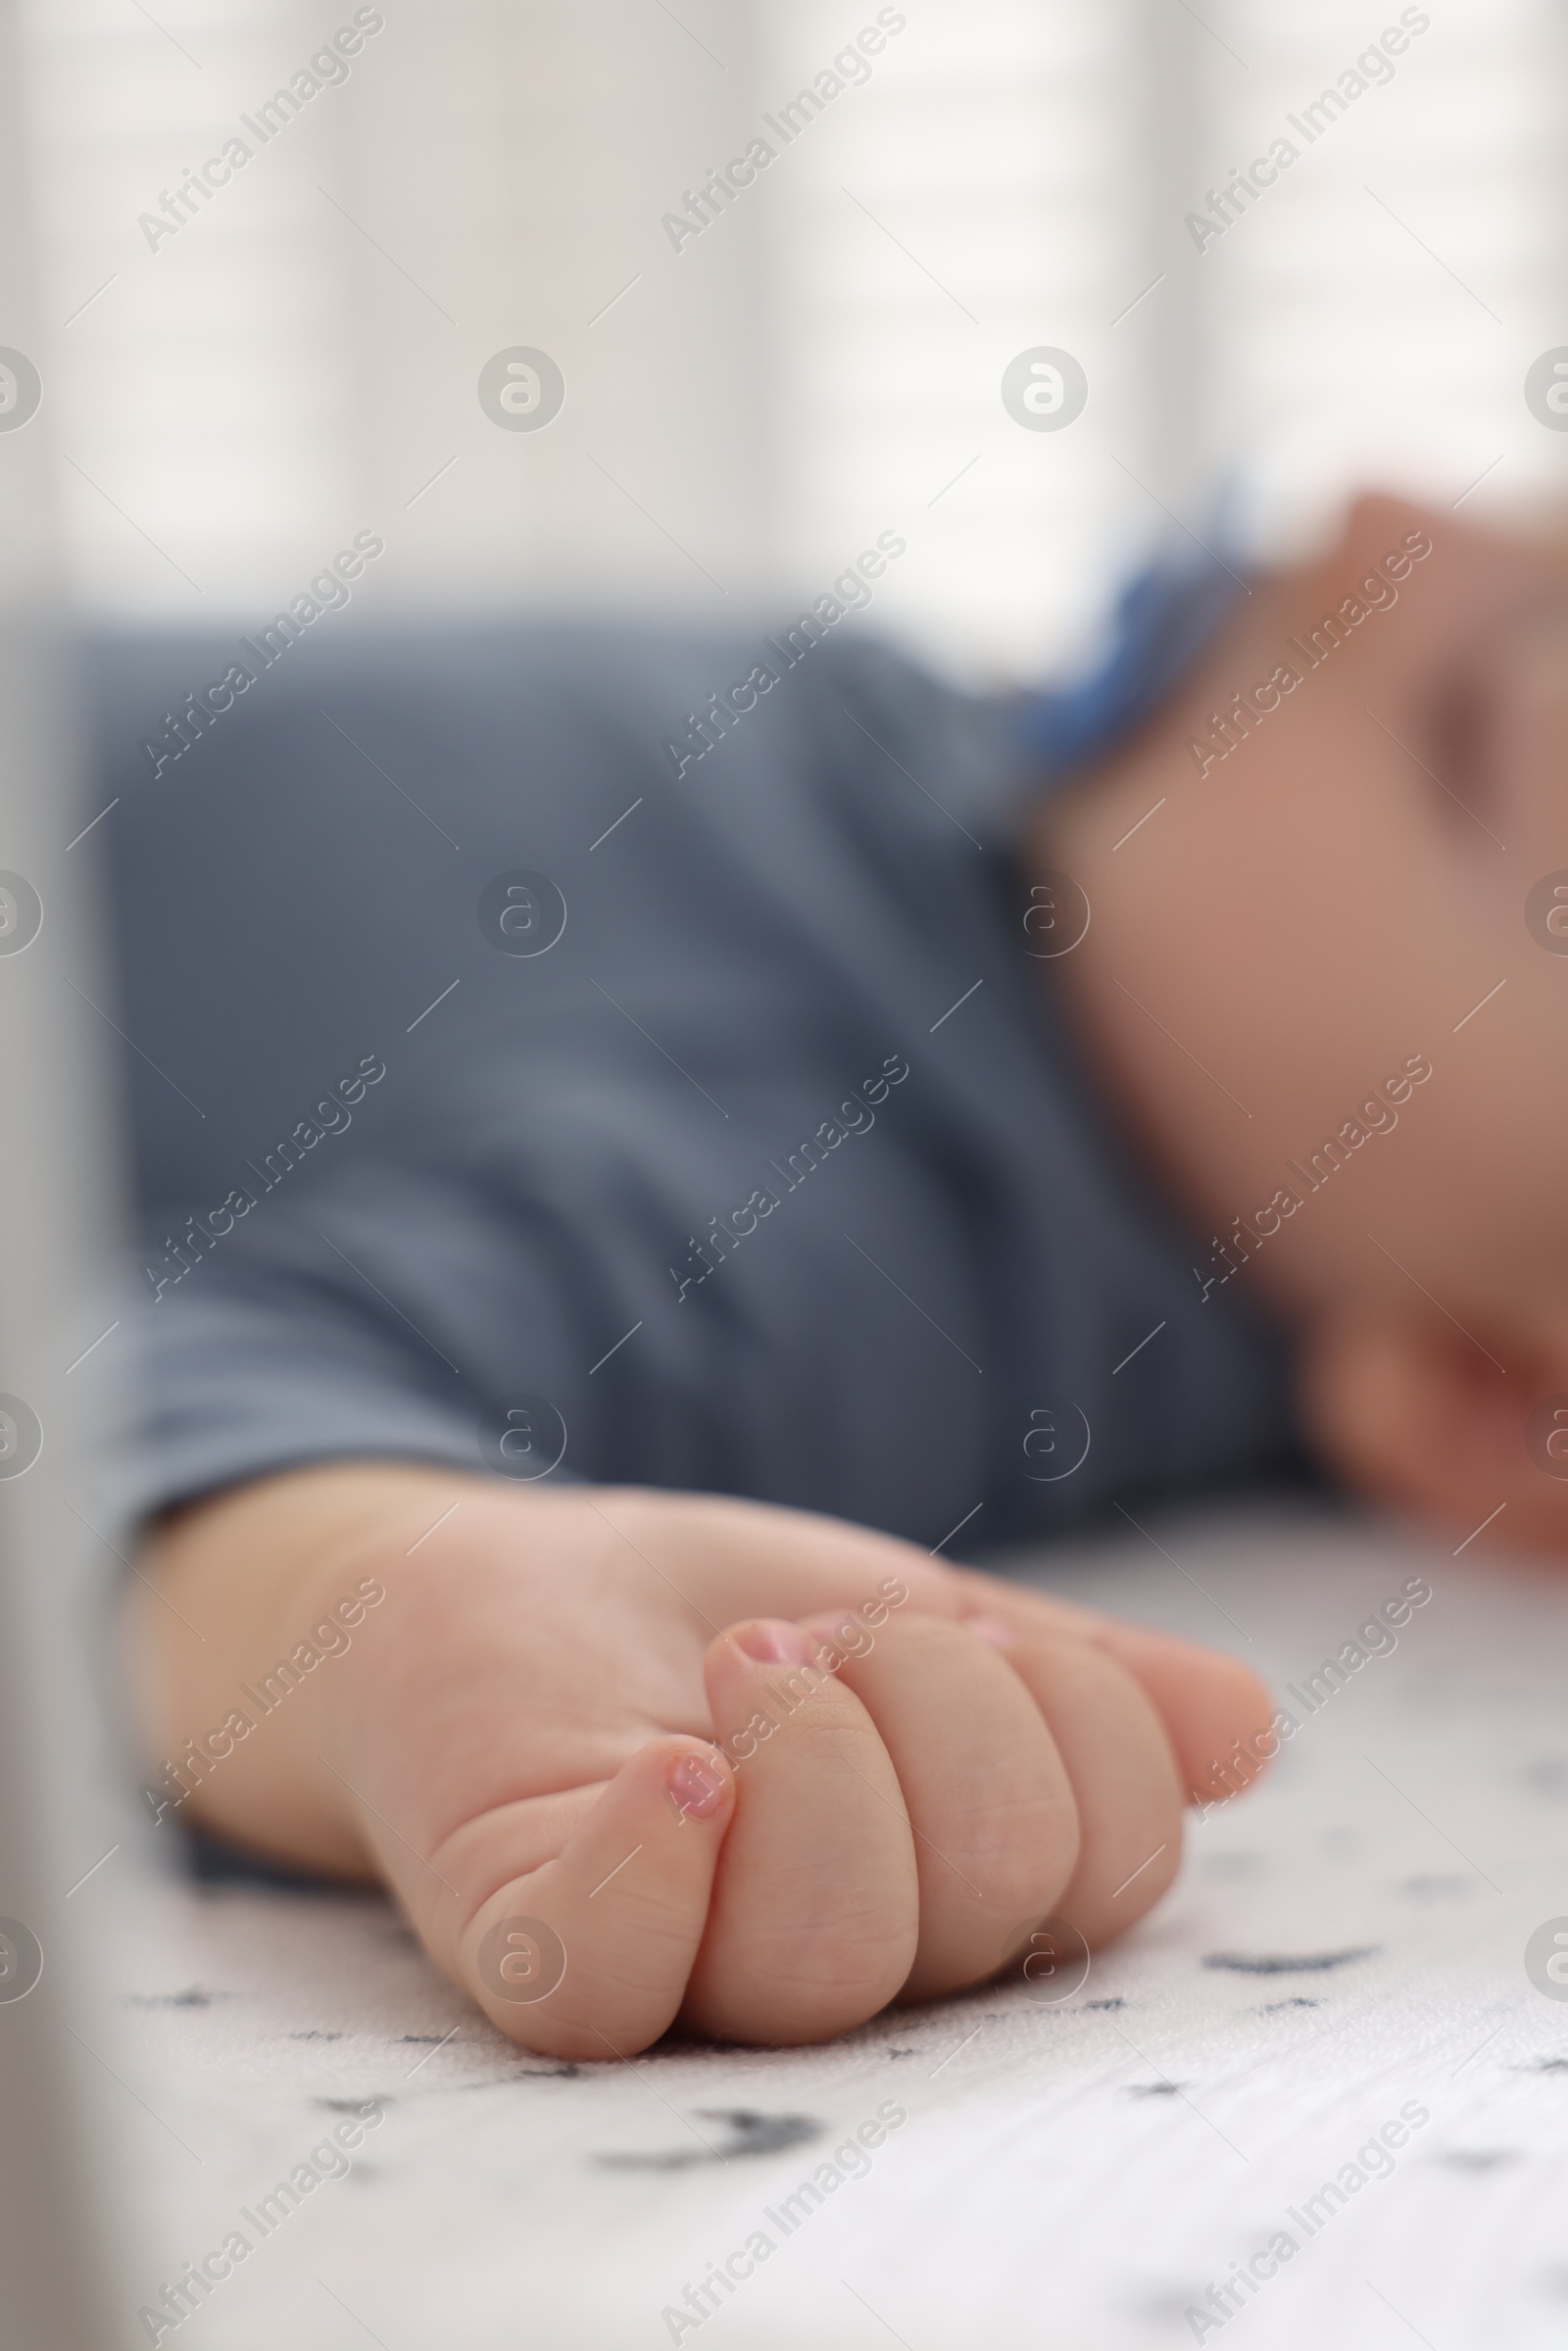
(1339, 922)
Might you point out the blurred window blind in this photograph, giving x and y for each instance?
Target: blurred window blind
(1377, 309)
(820, 358)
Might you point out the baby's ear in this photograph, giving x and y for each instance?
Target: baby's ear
(1454, 1426)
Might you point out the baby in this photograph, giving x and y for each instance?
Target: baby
(804, 1123)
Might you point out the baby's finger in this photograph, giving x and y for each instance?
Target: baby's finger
(815, 1908)
(1214, 1707)
(1124, 1781)
(989, 1798)
(1215, 1710)
(588, 1955)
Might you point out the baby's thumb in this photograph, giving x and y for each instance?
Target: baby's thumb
(587, 1956)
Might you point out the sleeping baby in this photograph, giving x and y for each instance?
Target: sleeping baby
(649, 1216)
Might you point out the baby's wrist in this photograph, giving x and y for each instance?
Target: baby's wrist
(285, 1580)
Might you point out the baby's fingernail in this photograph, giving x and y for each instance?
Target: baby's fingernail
(991, 1628)
(770, 1640)
(697, 1788)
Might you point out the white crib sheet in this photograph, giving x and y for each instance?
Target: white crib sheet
(1075, 2177)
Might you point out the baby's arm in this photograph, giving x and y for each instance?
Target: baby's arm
(758, 1771)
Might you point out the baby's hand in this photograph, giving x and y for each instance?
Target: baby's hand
(635, 1759)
